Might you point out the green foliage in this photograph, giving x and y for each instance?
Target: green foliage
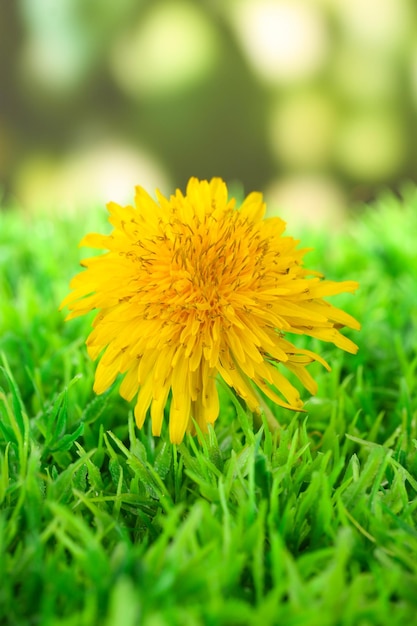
(316, 524)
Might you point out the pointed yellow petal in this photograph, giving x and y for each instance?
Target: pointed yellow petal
(143, 402)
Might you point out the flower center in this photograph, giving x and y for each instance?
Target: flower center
(214, 259)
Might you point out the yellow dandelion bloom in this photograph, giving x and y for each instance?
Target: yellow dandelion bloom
(192, 287)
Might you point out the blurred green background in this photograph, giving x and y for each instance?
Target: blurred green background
(314, 102)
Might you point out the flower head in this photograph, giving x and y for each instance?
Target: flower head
(192, 287)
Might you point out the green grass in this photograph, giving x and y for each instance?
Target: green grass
(103, 524)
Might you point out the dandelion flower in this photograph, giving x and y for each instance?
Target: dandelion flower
(192, 288)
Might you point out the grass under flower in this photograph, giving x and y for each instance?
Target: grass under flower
(102, 523)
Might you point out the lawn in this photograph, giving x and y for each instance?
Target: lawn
(316, 524)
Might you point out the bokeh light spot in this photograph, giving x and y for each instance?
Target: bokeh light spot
(172, 47)
(317, 201)
(89, 177)
(370, 146)
(301, 129)
(55, 55)
(363, 76)
(285, 41)
(381, 24)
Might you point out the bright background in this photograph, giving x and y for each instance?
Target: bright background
(313, 102)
